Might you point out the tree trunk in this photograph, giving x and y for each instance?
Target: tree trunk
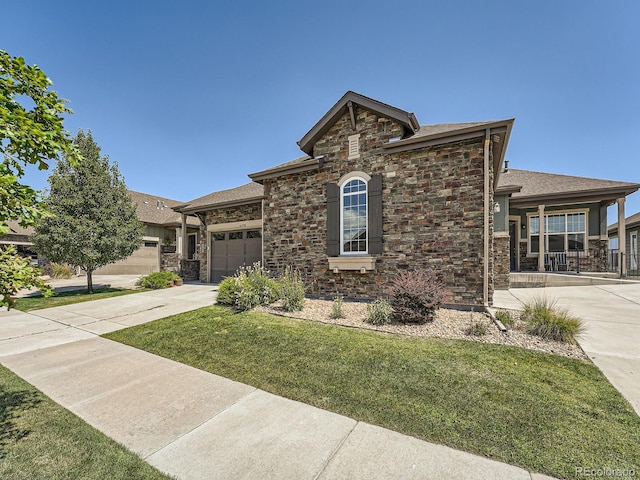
(89, 281)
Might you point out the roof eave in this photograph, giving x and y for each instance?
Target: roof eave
(582, 196)
(413, 143)
(304, 166)
(217, 205)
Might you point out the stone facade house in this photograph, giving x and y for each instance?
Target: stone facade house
(375, 193)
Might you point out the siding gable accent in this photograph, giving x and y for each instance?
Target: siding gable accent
(333, 219)
(375, 214)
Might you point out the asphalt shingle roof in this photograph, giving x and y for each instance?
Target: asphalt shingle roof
(158, 210)
(249, 191)
(539, 183)
(630, 221)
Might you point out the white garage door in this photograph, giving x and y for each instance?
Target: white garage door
(230, 250)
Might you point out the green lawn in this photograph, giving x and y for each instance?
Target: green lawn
(544, 413)
(41, 440)
(67, 298)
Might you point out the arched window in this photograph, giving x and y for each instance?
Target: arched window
(354, 216)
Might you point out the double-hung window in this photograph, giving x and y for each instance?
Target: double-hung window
(563, 232)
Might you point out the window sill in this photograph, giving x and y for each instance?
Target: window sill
(360, 263)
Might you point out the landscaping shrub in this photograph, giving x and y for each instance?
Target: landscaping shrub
(61, 270)
(336, 307)
(548, 321)
(505, 318)
(477, 328)
(291, 290)
(227, 292)
(379, 312)
(157, 280)
(250, 287)
(416, 295)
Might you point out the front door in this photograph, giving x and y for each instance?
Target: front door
(513, 246)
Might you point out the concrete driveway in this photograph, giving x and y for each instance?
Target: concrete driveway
(612, 336)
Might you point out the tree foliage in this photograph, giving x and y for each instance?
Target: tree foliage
(94, 221)
(31, 133)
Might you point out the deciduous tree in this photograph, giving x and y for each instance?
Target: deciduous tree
(94, 221)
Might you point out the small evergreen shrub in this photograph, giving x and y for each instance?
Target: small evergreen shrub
(505, 318)
(291, 290)
(336, 307)
(157, 280)
(548, 321)
(379, 312)
(416, 295)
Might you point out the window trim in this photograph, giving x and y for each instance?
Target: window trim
(341, 183)
(547, 213)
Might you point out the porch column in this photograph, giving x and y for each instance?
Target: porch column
(622, 237)
(184, 250)
(541, 241)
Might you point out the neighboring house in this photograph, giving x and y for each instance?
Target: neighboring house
(20, 237)
(574, 230)
(630, 246)
(163, 240)
(376, 193)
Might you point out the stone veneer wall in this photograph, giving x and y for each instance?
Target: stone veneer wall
(252, 211)
(502, 261)
(190, 270)
(170, 262)
(433, 202)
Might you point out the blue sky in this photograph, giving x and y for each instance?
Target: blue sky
(189, 97)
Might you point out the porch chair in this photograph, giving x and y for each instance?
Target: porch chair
(548, 263)
(561, 260)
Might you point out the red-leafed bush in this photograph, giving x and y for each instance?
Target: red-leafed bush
(416, 295)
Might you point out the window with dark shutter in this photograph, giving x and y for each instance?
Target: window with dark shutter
(354, 215)
(333, 220)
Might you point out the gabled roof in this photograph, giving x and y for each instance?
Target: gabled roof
(632, 221)
(242, 195)
(155, 210)
(538, 188)
(16, 229)
(347, 104)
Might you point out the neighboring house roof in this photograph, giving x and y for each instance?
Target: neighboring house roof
(242, 195)
(16, 229)
(538, 188)
(630, 222)
(156, 210)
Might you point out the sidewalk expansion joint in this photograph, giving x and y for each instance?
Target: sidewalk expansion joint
(335, 451)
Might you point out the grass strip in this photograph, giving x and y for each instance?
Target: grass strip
(545, 413)
(27, 304)
(39, 439)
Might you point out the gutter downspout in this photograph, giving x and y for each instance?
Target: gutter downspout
(487, 205)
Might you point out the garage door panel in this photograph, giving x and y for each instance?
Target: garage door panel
(232, 250)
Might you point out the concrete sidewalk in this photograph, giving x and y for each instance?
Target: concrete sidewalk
(192, 424)
(612, 317)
